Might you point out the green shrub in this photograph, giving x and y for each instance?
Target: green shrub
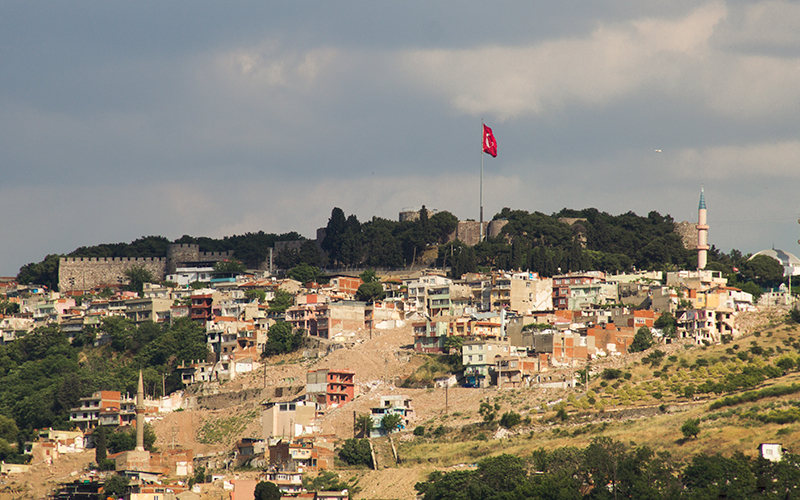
(510, 419)
(356, 452)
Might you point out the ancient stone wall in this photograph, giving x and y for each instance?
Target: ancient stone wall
(84, 273)
(183, 252)
(688, 233)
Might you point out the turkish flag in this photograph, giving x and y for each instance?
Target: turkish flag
(489, 143)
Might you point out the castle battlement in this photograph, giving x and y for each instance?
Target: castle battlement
(142, 260)
(217, 255)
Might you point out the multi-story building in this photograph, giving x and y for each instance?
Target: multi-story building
(341, 387)
(521, 292)
(303, 454)
(478, 356)
(143, 310)
(324, 319)
(11, 328)
(202, 307)
(288, 418)
(103, 408)
(563, 282)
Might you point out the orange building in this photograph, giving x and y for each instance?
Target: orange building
(341, 387)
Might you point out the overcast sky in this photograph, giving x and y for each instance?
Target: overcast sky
(125, 119)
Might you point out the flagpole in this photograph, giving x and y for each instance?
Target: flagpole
(482, 141)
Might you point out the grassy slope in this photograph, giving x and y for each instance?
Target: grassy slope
(722, 430)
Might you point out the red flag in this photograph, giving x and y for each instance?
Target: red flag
(489, 143)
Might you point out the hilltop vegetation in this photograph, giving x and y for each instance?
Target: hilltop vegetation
(42, 374)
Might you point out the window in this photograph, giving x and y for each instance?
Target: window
(480, 357)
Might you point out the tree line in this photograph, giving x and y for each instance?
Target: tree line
(608, 469)
(566, 241)
(43, 375)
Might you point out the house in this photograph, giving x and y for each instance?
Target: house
(153, 309)
(771, 451)
(11, 328)
(394, 404)
(330, 388)
(521, 292)
(478, 356)
(341, 387)
(324, 319)
(513, 371)
(304, 454)
(288, 481)
(103, 408)
(247, 449)
(608, 339)
(563, 283)
(288, 417)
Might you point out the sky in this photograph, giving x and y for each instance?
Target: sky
(127, 119)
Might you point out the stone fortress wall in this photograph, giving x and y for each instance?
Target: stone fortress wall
(86, 273)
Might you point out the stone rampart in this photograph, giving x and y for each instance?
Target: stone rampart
(85, 273)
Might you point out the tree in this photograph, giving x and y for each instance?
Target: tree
(199, 476)
(667, 323)
(370, 292)
(282, 301)
(369, 276)
(763, 270)
(642, 340)
(281, 339)
(258, 296)
(691, 428)
(364, 425)
(137, 277)
(391, 422)
(333, 234)
(41, 273)
(229, 268)
(99, 436)
(304, 273)
(124, 439)
(266, 490)
(510, 419)
(115, 486)
(356, 452)
(8, 307)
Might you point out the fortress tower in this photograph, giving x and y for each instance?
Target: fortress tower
(702, 233)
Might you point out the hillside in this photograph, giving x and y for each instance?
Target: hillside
(643, 419)
(647, 407)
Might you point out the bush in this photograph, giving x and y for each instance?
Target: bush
(510, 419)
(642, 340)
(611, 374)
(691, 428)
(419, 430)
(356, 452)
(281, 339)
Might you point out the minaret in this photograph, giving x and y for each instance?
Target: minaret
(140, 415)
(702, 233)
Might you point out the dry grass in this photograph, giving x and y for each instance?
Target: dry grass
(724, 432)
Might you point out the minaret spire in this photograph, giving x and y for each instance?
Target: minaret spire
(140, 414)
(702, 232)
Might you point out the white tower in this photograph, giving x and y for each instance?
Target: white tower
(702, 233)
